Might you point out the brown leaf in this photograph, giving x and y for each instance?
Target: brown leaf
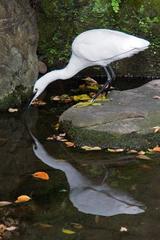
(5, 203)
(22, 198)
(77, 225)
(69, 144)
(38, 102)
(41, 175)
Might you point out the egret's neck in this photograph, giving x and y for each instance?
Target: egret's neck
(73, 67)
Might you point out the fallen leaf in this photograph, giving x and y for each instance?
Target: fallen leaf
(5, 203)
(85, 104)
(41, 175)
(90, 80)
(55, 98)
(12, 110)
(115, 150)
(68, 231)
(82, 97)
(156, 97)
(2, 228)
(140, 156)
(88, 148)
(123, 229)
(77, 225)
(156, 129)
(38, 102)
(141, 153)
(43, 225)
(11, 228)
(156, 149)
(132, 151)
(69, 144)
(22, 198)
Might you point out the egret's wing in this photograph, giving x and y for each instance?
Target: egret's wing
(101, 45)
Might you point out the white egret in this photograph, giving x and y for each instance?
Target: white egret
(94, 47)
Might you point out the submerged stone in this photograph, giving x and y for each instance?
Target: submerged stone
(126, 120)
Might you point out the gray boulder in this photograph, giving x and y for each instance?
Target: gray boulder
(18, 44)
(126, 120)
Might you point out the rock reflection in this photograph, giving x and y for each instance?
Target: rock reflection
(87, 197)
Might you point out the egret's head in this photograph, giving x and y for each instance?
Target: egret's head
(38, 88)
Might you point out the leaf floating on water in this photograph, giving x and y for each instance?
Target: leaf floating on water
(123, 229)
(90, 80)
(11, 228)
(77, 225)
(68, 231)
(156, 97)
(56, 98)
(69, 144)
(115, 150)
(23, 198)
(144, 157)
(156, 149)
(132, 151)
(156, 129)
(86, 104)
(5, 203)
(12, 110)
(141, 153)
(88, 148)
(38, 102)
(41, 175)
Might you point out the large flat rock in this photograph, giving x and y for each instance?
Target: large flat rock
(126, 120)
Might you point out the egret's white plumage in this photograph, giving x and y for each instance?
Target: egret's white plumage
(94, 47)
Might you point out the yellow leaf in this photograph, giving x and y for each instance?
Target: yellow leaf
(82, 97)
(85, 104)
(67, 231)
(41, 175)
(22, 198)
(88, 148)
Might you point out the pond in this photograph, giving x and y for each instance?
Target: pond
(89, 195)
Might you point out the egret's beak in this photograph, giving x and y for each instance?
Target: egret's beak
(33, 97)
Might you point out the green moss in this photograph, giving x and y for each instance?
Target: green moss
(15, 98)
(87, 137)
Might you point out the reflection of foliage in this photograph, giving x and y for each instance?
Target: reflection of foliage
(61, 20)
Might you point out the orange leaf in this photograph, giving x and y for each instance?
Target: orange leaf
(156, 149)
(22, 198)
(41, 175)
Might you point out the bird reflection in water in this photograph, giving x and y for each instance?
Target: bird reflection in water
(101, 200)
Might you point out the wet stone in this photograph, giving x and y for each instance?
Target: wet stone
(126, 120)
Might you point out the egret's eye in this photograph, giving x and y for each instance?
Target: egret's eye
(35, 90)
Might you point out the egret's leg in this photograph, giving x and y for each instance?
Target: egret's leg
(105, 86)
(112, 73)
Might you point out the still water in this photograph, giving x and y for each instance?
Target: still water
(93, 195)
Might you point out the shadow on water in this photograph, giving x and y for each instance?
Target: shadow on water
(78, 190)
